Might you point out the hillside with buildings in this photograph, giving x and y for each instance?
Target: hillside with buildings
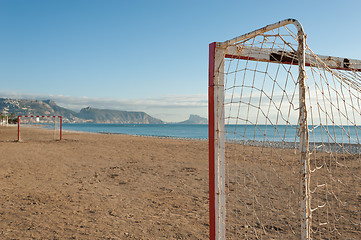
(15, 107)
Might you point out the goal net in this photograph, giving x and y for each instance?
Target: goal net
(284, 138)
(39, 128)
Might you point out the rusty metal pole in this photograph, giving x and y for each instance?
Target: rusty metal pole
(305, 196)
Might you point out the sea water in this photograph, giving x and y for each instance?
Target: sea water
(261, 133)
(194, 131)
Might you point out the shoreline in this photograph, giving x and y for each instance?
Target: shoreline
(111, 133)
(154, 136)
(314, 146)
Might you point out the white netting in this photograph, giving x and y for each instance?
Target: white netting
(39, 128)
(334, 124)
(262, 143)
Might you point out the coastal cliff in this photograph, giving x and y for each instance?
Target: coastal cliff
(15, 107)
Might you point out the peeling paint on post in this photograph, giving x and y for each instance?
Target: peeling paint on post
(217, 192)
(305, 196)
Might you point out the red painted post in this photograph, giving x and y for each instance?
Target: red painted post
(211, 136)
(61, 127)
(19, 128)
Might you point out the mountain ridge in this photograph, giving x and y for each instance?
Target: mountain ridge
(117, 116)
(16, 107)
(195, 119)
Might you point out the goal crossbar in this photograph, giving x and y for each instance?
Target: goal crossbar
(287, 57)
(235, 51)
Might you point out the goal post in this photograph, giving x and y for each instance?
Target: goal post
(284, 147)
(51, 127)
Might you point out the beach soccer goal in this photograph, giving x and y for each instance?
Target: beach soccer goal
(40, 128)
(284, 138)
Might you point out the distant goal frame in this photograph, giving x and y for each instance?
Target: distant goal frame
(42, 116)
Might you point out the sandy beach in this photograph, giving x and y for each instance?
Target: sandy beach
(102, 186)
(112, 186)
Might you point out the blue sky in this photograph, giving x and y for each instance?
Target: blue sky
(145, 55)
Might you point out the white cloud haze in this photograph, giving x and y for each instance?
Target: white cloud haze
(169, 108)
